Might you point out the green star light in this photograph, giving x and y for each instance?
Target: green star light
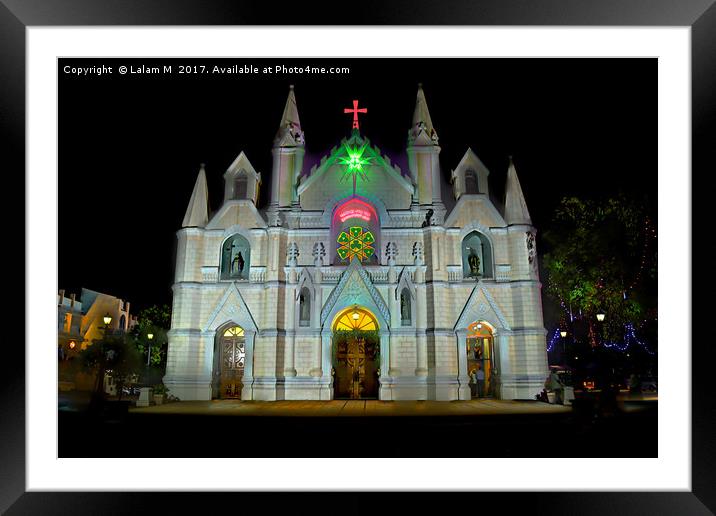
(356, 163)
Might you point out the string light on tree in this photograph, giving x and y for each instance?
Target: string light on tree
(555, 335)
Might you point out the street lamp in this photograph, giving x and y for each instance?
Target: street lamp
(99, 391)
(150, 336)
(600, 317)
(563, 333)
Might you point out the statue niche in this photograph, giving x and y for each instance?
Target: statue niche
(406, 315)
(235, 258)
(476, 256)
(474, 261)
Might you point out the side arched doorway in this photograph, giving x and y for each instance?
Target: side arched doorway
(481, 359)
(356, 354)
(229, 363)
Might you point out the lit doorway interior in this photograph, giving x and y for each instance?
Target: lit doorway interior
(480, 356)
(229, 363)
(356, 355)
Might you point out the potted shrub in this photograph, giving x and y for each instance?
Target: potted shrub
(159, 392)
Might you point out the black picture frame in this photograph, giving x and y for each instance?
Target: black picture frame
(700, 15)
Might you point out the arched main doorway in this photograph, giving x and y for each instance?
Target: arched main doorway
(356, 354)
(481, 357)
(229, 363)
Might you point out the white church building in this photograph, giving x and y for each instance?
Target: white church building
(356, 281)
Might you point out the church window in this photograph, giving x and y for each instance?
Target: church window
(235, 258)
(304, 308)
(240, 186)
(471, 182)
(357, 242)
(476, 256)
(356, 319)
(355, 232)
(406, 317)
(122, 322)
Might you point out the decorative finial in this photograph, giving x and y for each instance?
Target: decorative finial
(420, 85)
(202, 165)
(290, 86)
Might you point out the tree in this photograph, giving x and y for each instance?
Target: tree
(601, 259)
(115, 355)
(156, 321)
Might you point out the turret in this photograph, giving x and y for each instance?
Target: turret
(197, 213)
(515, 205)
(241, 181)
(423, 151)
(288, 151)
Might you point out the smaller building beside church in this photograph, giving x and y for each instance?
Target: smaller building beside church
(80, 321)
(356, 280)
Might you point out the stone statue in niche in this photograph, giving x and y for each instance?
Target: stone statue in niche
(474, 262)
(305, 309)
(404, 307)
(237, 264)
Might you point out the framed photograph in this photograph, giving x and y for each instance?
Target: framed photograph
(374, 246)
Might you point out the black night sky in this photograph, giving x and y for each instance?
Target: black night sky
(130, 145)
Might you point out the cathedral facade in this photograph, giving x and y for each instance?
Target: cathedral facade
(356, 281)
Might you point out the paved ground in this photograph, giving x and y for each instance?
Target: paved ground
(352, 408)
(479, 428)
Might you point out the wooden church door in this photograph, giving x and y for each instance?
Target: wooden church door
(233, 354)
(355, 370)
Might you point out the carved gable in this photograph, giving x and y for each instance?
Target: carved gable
(355, 288)
(481, 306)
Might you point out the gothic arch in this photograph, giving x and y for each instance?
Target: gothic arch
(230, 308)
(358, 212)
(355, 287)
(468, 243)
(471, 182)
(383, 215)
(481, 305)
(480, 228)
(235, 257)
(406, 285)
(305, 286)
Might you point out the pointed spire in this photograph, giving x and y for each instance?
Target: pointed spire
(289, 132)
(422, 123)
(515, 205)
(197, 213)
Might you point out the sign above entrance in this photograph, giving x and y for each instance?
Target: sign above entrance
(355, 209)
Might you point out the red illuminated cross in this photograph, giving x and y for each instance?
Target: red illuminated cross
(355, 112)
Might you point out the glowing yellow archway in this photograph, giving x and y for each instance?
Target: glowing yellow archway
(355, 319)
